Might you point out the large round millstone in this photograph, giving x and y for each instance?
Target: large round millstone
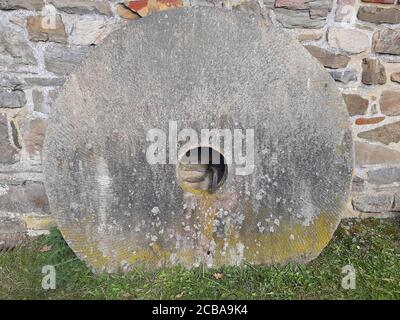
(202, 68)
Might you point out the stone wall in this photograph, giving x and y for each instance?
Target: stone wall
(41, 42)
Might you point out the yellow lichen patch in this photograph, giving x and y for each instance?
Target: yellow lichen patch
(291, 241)
(198, 192)
(38, 222)
(207, 212)
(341, 149)
(84, 248)
(123, 252)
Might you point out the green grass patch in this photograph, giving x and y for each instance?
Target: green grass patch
(371, 246)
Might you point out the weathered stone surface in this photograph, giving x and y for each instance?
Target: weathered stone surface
(318, 13)
(386, 134)
(101, 186)
(12, 232)
(327, 58)
(39, 222)
(379, 15)
(312, 14)
(395, 77)
(38, 101)
(390, 103)
(9, 225)
(33, 132)
(345, 11)
(291, 4)
(380, 1)
(373, 154)
(374, 107)
(387, 41)
(325, 5)
(375, 201)
(344, 76)
(9, 81)
(298, 19)
(12, 98)
(18, 21)
(52, 96)
(14, 49)
(14, 133)
(350, 40)
(21, 4)
(270, 4)
(139, 6)
(8, 152)
(88, 31)
(356, 105)
(26, 197)
(63, 59)
(11, 93)
(373, 72)
(45, 82)
(83, 6)
(396, 202)
(248, 7)
(40, 29)
(357, 184)
(144, 7)
(368, 121)
(384, 176)
(309, 35)
(126, 13)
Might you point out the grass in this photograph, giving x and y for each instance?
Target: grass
(371, 246)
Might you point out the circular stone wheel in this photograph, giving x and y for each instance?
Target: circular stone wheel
(199, 68)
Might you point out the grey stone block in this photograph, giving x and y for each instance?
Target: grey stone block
(384, 176)
(14, 49)
(344, 76)
(373, 202)
(8, 153)
(11, 93)
(26, 197)
(63, 60)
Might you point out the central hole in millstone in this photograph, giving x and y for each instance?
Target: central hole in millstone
(201, 169)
